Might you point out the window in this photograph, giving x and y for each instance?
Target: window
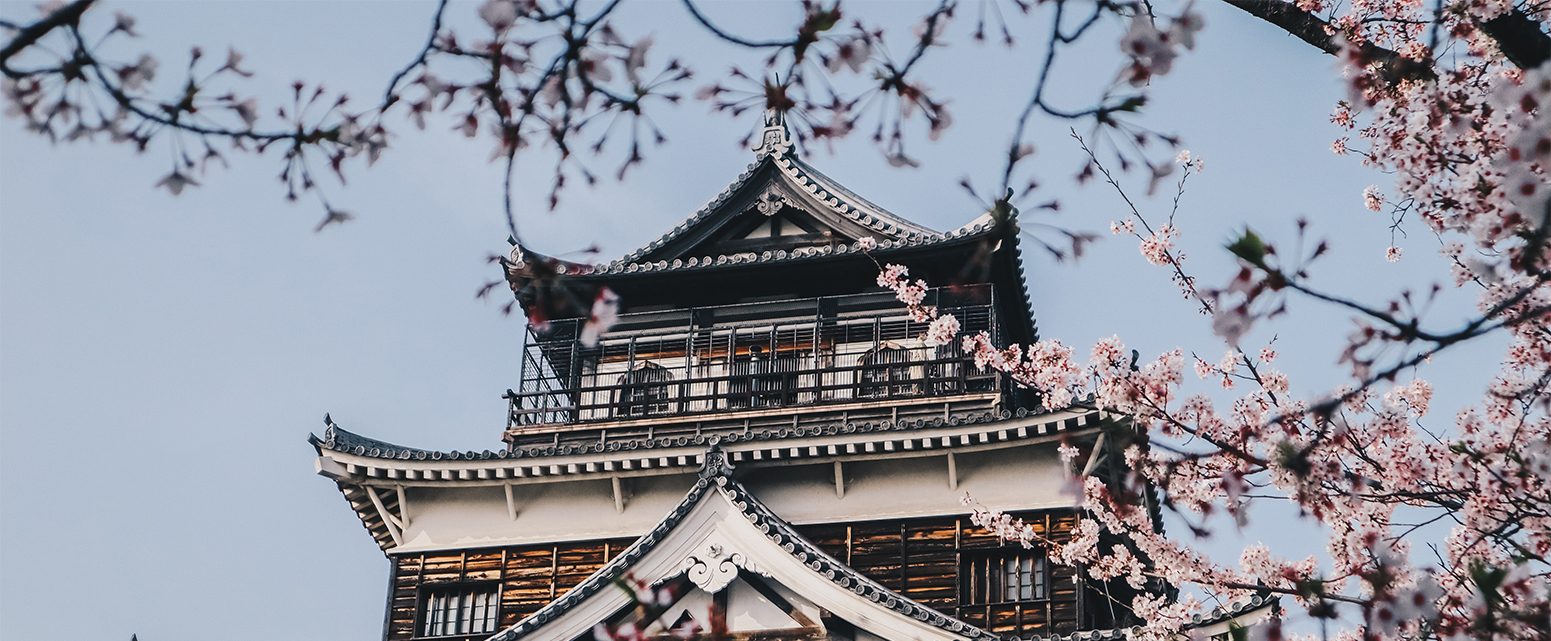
(1005, 578)
(1019, 579)
(456, 610)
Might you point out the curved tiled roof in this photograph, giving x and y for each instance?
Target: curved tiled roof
(1234, 609)
(896, 232)
(630, 265)
(776, 151)
(716, 473)
(338, 439)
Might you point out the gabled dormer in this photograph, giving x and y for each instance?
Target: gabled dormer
(762, 307)
(780, 203)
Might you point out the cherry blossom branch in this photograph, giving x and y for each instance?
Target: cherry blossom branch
(1311, 29)
(699, 17)
(68, 15)
(390, 95)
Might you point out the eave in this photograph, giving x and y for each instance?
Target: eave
(362, 466)
(346, 456)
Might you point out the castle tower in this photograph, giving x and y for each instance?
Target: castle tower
(762, 446)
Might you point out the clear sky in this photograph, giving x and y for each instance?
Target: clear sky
(163, 359)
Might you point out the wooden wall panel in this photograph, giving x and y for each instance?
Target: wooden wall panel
(529, 578)
(920, 558)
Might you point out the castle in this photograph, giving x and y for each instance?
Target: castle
(761, 447)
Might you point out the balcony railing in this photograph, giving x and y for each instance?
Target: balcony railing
(758, 356)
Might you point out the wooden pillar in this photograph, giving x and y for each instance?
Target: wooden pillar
(554, 570)
(840, 481)
(393, 588)
(848, 546)
(500, 590)
(958, 567)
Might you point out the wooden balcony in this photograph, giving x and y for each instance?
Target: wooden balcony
(777, 357)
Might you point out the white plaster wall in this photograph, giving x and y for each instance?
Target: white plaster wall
(1012, 479)
(477, 516)
(748, 611)
(1017, 478)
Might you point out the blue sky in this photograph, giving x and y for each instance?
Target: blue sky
(163, 359)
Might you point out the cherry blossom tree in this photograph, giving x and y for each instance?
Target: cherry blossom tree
(1357, 458)
(1430, 535)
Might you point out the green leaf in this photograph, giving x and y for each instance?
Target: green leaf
(1250, 248)
(1237, 631)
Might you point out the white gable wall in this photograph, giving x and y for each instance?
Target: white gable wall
(749, 611)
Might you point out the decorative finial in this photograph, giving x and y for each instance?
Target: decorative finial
(776, 139)
(717, 463)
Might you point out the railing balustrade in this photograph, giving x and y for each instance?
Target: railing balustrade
(846, 350)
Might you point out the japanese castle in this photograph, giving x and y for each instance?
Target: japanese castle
(762, 447)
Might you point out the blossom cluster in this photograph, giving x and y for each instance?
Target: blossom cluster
(1153, 50)
(942, 329)
(1351, 467)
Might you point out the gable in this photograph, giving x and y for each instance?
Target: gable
(789, 194)
(748, 604)
(768, 212)
(734, 552)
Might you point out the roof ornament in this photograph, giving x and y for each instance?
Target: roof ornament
(776, 139)
(770, 202)
(716, 567)
(717, 464)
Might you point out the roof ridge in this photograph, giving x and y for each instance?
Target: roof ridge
(835, 186)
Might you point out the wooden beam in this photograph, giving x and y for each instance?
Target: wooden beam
(387, 519)
(390, 516)
(511, 503)
(619, 497)
(403, 508)
(840, 482)
(1093, 458)
(953, 472)
(775, 599)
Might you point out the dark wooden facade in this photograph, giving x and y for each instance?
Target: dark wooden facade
(529, 577)
(927, 559)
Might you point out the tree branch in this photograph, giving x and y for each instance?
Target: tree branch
(68, 15)
(1519, 38)
(1311, 29)
(694, 12)
(390, 96)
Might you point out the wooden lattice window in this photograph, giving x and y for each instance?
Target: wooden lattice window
(458, 609)
(1013, 577)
